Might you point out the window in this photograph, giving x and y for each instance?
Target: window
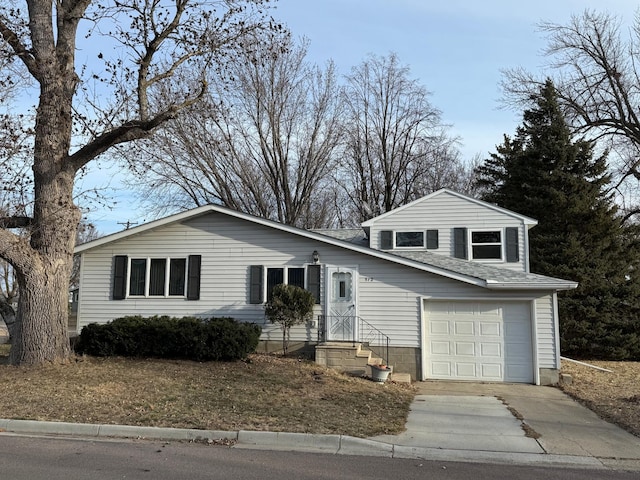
(390, 239)
(275, 276)
(409, 239)
(157, 277)
(177, 274)
(290, 276)
(486, 245)
(138, 275)
(262, 280)
(342, 283)
(295, 276)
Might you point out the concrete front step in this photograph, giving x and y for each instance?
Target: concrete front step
(353, 359)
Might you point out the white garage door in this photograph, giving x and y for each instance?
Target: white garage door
(481, 341)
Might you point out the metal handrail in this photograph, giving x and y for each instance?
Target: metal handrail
(365, 333)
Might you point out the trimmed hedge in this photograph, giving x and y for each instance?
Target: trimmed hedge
(165, 337)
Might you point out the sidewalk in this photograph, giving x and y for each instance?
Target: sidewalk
(462, 422)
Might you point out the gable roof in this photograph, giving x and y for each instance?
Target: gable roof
(530, 222)
(461, 270)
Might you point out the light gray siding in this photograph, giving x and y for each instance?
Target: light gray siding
(444, 212)
(389, 295)
(547, 332)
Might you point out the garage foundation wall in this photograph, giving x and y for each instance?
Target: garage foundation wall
(406, 360)
(549, 376)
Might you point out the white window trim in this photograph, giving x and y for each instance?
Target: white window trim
(147, 277)
(471, 231)
(421, 247)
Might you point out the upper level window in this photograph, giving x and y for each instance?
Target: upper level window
(409, 239)
(486, 245)
(390, 239)
(157, 277)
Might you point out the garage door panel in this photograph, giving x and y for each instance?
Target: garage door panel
(463, 308)
(491, 350)
(489, 308)
(464, 328)
(485, 341)
(465, 349)
(439, 327)
(492, 371)
(441, 348)
(466, 370)
(516, 372)
(490, 329)
(517, 330)
(441, 369)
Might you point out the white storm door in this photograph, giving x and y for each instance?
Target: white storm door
(342, 306)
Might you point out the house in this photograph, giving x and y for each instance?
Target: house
(440, 286)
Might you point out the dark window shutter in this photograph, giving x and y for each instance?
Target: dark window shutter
(432, 239)
(255, 283)
(313, 281)
(460, 243)
(513, 252)
(386, 240)
(193, 277)
(119, 277)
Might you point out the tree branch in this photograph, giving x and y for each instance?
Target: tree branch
(18, 48)
(128, 131)
(15, 222)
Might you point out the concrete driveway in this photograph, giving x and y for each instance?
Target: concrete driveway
(513, 419)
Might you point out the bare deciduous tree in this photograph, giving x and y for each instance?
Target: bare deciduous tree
(145, 45)
(594, 67)
(396, 147)
(263, 143)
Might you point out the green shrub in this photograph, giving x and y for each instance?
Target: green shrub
(165, 337)
(289, 306)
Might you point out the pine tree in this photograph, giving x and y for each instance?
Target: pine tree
(544, 174)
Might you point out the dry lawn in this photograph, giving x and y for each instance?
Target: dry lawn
(613, 396)
(263, 393)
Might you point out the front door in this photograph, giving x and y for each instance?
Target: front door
(342, 307)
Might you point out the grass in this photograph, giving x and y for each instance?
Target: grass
(613, 395)
(263, 393)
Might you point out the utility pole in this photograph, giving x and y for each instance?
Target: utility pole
(127, 224)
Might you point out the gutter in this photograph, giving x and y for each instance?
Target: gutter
(494, 285)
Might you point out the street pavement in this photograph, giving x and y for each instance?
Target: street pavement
(455, 421)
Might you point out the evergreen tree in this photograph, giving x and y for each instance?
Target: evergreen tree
(544, 174)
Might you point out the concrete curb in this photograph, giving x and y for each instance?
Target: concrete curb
(112, 431)
(304, 442)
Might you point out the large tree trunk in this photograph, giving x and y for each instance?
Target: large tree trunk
(43, 306)
(44, 267)
(40, 332)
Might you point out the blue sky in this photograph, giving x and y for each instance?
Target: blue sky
(455, 48)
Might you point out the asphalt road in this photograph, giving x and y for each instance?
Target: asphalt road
(31, 458)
